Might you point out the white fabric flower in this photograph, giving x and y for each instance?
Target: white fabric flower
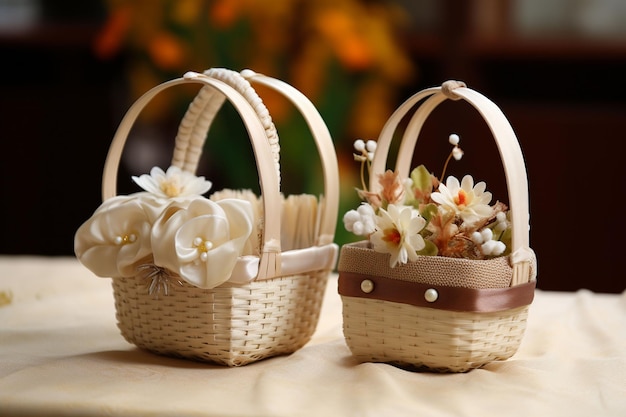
(175, 184)
(153, 206)
(397, 233)
(202, 242)
(115, 240)
(362, 221)
(468, 201)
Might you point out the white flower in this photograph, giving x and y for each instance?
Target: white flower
(397, 233)
(202, 242)
(362, 221)
(174, 184)
(115, 240)
(453, 139)
(469, 201)
(153, 206)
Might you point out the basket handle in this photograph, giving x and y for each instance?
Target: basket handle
(508, 147)
(241, 82)
(192, 131)
(269, 264)
(325, 148)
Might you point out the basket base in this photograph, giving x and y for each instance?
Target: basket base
(230, 325)
(430, 339)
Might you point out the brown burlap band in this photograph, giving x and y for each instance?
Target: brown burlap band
(435, 296)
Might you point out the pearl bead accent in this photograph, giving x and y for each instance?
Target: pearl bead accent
(126, 239)
(202, 246)
(431, 295)
(367, 286)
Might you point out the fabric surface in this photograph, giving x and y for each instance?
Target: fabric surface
(62, 354)
(436, 270)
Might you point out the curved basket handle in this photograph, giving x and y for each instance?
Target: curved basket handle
(269, 264)
(508, 147)
(200, 120)
(325, 147)
(194, 126)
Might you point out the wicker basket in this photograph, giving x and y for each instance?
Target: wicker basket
(271, 303)
(437, 313)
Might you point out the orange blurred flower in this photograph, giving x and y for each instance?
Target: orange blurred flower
(342, 33)
(111, 38)
(224, 13)
(167, 51)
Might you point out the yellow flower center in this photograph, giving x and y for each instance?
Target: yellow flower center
(205, 246)
(392, 236)
(170, 187)
(461, 199)
(126, 239)
(202, 246)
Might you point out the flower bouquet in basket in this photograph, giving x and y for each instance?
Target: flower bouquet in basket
(420, 215)
(444, 275)
(169, 233)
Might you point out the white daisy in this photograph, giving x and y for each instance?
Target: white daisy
(397, 233)
(173, 184)
(468, 201)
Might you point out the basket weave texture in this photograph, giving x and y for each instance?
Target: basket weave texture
(428, 338)
(441, 333)
(246, 319)
(231, 325)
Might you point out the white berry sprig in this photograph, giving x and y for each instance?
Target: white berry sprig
(365, 154)
(456, 153)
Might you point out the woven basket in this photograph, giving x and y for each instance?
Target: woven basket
(437, 313)
(271, 303)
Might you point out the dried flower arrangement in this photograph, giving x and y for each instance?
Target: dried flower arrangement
(421, 215)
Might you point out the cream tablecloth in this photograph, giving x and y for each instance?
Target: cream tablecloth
(62, 354)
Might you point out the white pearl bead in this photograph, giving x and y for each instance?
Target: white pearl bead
(197, 241)
(367, 286)
(204, 256)
(431, 295)
(118, 240)
(359, 145)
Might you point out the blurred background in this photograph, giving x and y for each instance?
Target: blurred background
(71, 68)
